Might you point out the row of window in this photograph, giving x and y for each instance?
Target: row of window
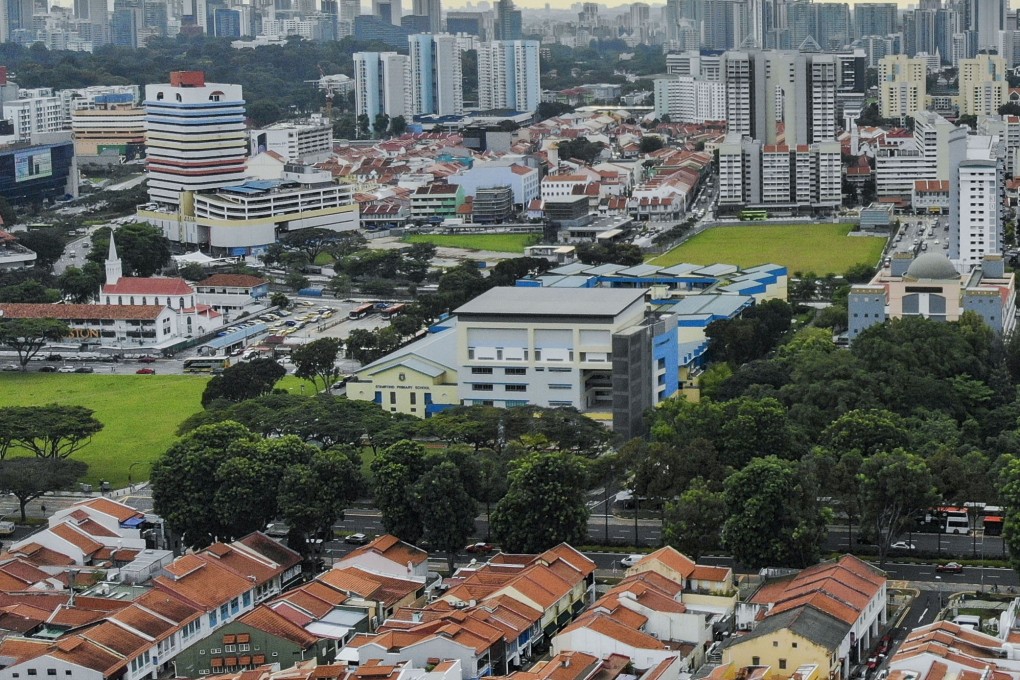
(487, 370)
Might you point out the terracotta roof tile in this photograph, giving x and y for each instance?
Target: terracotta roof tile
(70, 312)
(265, 619)
(129, 285)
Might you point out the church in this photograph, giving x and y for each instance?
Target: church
(192, 317)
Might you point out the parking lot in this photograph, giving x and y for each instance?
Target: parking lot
(921, 234)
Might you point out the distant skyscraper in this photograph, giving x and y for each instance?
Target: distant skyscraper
(508, 21)
(348, 10)
(923, 31)
(986, 18)
(194, 134)
(387, 10)
(875, 18)
(508, 75)
(226, 23)
(437, 83)
(947, 24)
(431, 9)
(833, 25)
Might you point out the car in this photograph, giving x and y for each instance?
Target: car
(873, 662)
(631, 560)
(290, 323)
(356, 539)
(903, 545)
(65, 369)
(11, 367)
(47, 369)
(479, 548)
(237, 352)
(147, 359)
(84, 369)
(146, 371)
(949, 568)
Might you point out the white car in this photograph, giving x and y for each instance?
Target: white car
(65, 369)
(631, 560)
(902, 545)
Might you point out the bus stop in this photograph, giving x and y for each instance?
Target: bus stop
(231, 340)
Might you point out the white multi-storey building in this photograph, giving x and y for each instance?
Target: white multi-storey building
(690, 99)
(382, 84)
(975, 199)
(1007, 129)
(307, 141)
(508, 75)
(902, 161)
(437, 82)
(34, 113)
(195, 136)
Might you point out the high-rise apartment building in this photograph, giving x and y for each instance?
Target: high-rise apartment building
(195, 136)
(983, 85)
(382, 84)
(437, 83)
(508, 75)
(975, 199)
(431, 9)
(986, 18)
(875, 18)
(902, 85)
(348, 10)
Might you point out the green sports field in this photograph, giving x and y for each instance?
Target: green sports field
(500, 243)
(821, 248)
(140, 414)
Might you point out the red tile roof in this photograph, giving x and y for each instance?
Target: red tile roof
(129, 285)
(14, 310)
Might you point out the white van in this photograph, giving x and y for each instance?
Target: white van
(6, 528)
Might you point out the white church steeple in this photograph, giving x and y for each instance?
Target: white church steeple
(114, 270)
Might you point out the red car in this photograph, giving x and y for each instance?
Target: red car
(950, 568)
(479, 548)
(146, 371)
(147, 360)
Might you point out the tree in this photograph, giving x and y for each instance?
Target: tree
(29, 291)
(279, 300)
(81, 285)
(192, 271)
(395, 471)
(544, 504)
(895, 486)
(398, 126)
(866, 431)
(8, 218)
(1009, 493)
(773, 516)
(317, 240)
(651, 143)
(245, 380)
(381, 124)
(27, 336)
(694, 521)
(552, 109)
(316, 361)
(610, 253)
(447, 508)
(53, 431)
(142, 248)
(48, 245)
(859, 273)
(295, 280)
(580, 149)
(30, 478)
(313, 497)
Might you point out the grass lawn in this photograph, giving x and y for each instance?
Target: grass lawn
(501, 243)
(323, 259)
(140, 414)
(821, 248)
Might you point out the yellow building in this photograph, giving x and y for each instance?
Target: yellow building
(419, 379)
(902, 85)
(983, 85)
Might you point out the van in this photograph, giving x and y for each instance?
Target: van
(6, 528)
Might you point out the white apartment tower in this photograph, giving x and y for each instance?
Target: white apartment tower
(437, 83)
(975, 199)
(508, 75)
(195, 136)
(382, 84)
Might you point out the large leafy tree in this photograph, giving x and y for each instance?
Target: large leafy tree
(81, 285)
(52, 431)
(314, 495)
(27, 336)
(694, 521)
(447, 508)
(773, 516)
(316, 361)
(866, 431)
(48, 245)
(142, 248)
(895, 486)
(30, 478)
(1009, 492)
(245, 380)
(544, 504)
(317, 240)
(395, 471)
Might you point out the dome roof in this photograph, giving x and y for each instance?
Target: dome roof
(932, 266)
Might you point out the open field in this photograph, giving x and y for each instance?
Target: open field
(501, 243)
(140, 414)
(821, 248)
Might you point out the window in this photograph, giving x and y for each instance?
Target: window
(515, 371)
(233, 648)
(775, 643)
(559, 386)
(414, 398)
(755, 661)
(245, 648)
(516, 388)
(51, 671)
(32, 671)
(782, 664)
(481, 371)
(247, 599)
(795, 644)
(393, 397)
(481, 387)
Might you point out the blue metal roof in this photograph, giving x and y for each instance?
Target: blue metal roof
(234, 337)
(255, 186)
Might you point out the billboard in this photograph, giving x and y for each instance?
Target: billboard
(32, 164)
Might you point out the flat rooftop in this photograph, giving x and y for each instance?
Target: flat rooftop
(534, 301)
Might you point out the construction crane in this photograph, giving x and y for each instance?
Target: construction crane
(325, 84)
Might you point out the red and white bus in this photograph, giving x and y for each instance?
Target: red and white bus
(392, 311)
(361, 311)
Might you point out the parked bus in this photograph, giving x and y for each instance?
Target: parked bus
(205, 364)
(361, 311)
(957, 520)
(392, 311)
(754, 215)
